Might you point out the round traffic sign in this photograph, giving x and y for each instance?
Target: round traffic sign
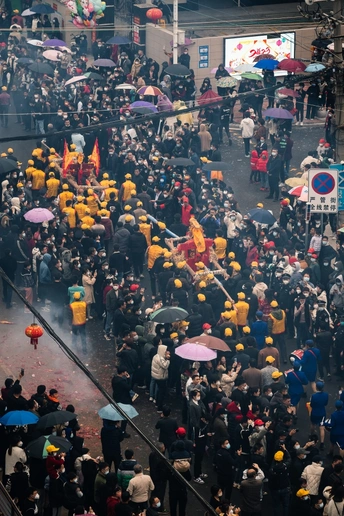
(323, 183)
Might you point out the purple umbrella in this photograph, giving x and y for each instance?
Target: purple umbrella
(197, 352)
(142, 103)
(38, 215)
(54, 43)
(164, 103)
(278, 113)
(107, 63)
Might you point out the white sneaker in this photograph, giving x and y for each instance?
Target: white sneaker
(198, 480)
(134, 397)
(301, 123)
(297, 123)
(203, 476)
(150, 399)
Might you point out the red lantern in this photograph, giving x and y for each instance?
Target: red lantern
(154, 14)
(34, 332)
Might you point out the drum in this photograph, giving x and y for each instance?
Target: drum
(296, 355)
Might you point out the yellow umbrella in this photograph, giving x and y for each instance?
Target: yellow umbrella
(296, 181)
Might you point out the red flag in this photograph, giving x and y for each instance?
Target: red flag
(66, 159)
(95, 157)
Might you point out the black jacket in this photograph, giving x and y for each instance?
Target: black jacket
(225, 463)
(121, 390)
(195, 325)
(111, 437)
(137, 243)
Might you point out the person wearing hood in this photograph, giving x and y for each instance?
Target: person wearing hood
(44, 280)
(296, 276)
(247, 130)
(159, 372)
(277, 327)
(337, 294)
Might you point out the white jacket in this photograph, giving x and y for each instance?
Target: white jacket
(312, 474)
(247, 127)
(160, 365)
(333, 508)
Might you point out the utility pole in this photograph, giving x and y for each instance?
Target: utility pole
(338, 63)
(175, 31)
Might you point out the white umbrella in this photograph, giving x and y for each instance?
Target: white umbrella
(52, 55)
(35, 42)
(246, 68)
(65, 49)
(27, 12)
(75, 79)
(125, 86)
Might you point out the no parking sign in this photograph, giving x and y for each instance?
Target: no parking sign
(323, 190)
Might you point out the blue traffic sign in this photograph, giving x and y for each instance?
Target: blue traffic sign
(323, 183)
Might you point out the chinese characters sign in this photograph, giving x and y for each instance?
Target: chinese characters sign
(323, 190)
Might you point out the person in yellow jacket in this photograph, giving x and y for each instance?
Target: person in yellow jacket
(71, 214)
(230, 316)
(242, 308)
(276, 327)
(220, 245)
(30, 169)
(38, 153)
(146, 229)
(153, 252)
(105, 181)
(109, 190)
(92, 202)
(78, 309)
(53, 156)
(38, 179)
(80, 207)
(52, 185)
(103, 206)
(87, 219)
(64, 196)
(126, 188)
(73, 153)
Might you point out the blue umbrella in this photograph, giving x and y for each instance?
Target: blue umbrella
(315, 67)
(267, 64)
(19, 418)
(109, 412)
(118, 40)
(42, 9)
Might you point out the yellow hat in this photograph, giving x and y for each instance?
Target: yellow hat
(254, 264)
(133, 192)
(181, 264)
(52, 150)
(173, 335)
(87, 211)
(260, 205)
(161, 225)
(128, 218)
(139, 203)
(30, 162)
(167, 254)
(204, 159)
(276, 374)
(274, 304)
(76, 295)
(51, 448)
(15, 11)
(241, 295)
(246, 329)
(127, 176)
(84, 227)
(155, 239)
(103, 204)
(279, 456)
(200, 265)
(270, 359)
(236, 266)
(167, 265)
(269, 341)
(228, 332)
(112, 182)
(143, 218)
(72, 146)
(80, 198)
(10, 151)
(239, 347)
(34, 153)
(4, 88)
(178, 283)
(89, 191)
(301, 492)
(105, 176)
(184, 323)
(210, 276)
(103, 213)
(52, 164)
(202, 284)
(20, 185)
(228, 305)
(51, 174)
(127, 207)
(201, 298)
(231, 255)
(3, 155)
(65, 186)
(226, 315)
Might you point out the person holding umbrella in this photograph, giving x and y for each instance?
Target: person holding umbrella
(275, 171)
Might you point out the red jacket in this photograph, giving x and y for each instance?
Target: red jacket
(252, 256)
(52, 464)
(263, 161)
(186, 214)
(254, 160)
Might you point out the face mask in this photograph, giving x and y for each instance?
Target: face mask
(313, 260)
(37, 496)
(198, 398)
(186, 328)
(274, 154)
(336, 269)
(23, 235)
(278, 274)
(298, 291)
(158, 505)
(20, 444)
(285, 282)
(209, 332)
(324, 242)
(305, 498)
(321, 505)
(228, 446)
(271, 253)
(80, 494)
(297, 446)
(106, 472)
(306, 279)
(306, 294)
(175, 341)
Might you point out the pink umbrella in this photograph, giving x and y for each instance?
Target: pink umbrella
(164, 103)
(198, 352)
(299, 190)
(52, 55)
(38, 215)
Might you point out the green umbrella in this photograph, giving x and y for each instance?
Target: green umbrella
(251, 76)
(37, 449)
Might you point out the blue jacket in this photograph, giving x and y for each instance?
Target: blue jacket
(296, 380)
(259, 330)
(337, 424)
(44, 271)
(319, 400)
(309, 362)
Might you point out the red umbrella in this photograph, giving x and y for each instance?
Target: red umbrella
(289, 92)
(292, 65)
(210, 341)
(208, 97)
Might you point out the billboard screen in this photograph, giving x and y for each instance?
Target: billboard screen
(247, 49)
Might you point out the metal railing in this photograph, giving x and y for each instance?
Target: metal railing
(7, 505)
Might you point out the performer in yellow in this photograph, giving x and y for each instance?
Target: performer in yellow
(71, 214)
(92, 202)
(64, 196)
(103, 209)
(126, 188)
(80, 207)
(30, 169)
(87, 219)
(52, 186)
(109, 190)
(146, 229)
(38, 179)
(105, 180)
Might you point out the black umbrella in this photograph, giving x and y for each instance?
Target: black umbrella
(41, 68)
(262, 216)
(24, 60)
(180, 162)
(216, 165)
(37, 449)
(55, 418)
(94, 75)
(177, 69)
(118, 40)
(42, 9)
(321, 42)
(7, 166)
(169, 314)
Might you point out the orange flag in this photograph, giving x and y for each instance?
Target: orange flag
(66, 158)
(95, 157)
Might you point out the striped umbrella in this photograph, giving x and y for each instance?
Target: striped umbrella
(149, 90)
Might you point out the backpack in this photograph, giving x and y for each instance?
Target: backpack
(182, 465)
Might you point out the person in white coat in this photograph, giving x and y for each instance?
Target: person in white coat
(312, 474)
(14, 454)
(247, 130)
(88, 280)
(159, 372)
